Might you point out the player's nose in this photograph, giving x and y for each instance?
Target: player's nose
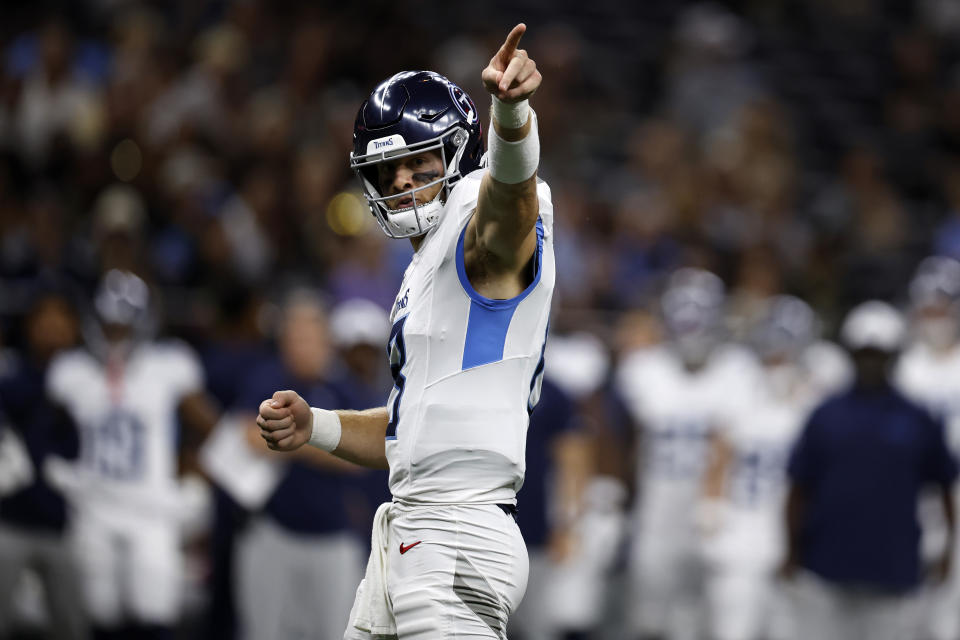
(402, 179)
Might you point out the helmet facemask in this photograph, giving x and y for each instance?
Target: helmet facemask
(416, 219)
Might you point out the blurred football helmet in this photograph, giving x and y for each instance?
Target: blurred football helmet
(692, 308)
(786, 328)
(122, 313)
(935, 301)
(122, 299)
(407, 114)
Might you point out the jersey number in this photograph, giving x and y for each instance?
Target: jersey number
(397, 353)
(118, 446)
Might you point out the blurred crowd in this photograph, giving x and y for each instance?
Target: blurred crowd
(180, 236)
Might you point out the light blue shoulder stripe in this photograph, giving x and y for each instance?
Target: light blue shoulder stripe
(489, 319)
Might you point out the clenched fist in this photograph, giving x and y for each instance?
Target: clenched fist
(285, 421)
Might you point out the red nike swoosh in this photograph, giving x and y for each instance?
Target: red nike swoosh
(404, 549)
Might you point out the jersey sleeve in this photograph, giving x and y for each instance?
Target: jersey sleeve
(182, 368)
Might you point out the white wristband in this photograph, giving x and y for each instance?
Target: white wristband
(514, 162)
(326, 429)
(510, 115)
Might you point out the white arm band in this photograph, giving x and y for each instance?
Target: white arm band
(326, 429)
(513, 162)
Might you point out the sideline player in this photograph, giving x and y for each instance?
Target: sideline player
(674, 391)
(466, 347)
(746, 480)
(125, 391)
(929, 373)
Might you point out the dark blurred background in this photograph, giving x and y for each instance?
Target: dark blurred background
(800, 145)
(809, 147)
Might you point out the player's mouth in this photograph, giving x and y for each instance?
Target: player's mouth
(405, 202)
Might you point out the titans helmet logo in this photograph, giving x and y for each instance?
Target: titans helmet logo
(464, 104)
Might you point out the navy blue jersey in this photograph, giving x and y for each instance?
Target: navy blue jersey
(552, 416)
(308, 499)
(45, 430)
(227, 365)
(861, 462)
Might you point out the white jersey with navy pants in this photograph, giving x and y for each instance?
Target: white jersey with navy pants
(126, 492)
(467, 371)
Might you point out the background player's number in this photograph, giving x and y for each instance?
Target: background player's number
(118, 446)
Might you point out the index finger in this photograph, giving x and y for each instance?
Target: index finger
(510, 44)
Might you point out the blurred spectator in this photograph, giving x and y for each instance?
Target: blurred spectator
(360, 330)
(298, 558)
(946, 240)
(34, 519)
(855, 478)
(237, 347)
(711, 81)
(55, 97)
(126, 392)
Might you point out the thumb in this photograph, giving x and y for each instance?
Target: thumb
(283, 398)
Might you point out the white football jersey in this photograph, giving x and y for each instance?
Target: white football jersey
(127, 419)
(933, 380)
(676, 409)
(467, 369)
(760, 428)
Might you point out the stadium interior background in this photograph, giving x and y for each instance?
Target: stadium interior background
(809, 147)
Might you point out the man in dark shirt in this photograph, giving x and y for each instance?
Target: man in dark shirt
(856, 475)
(298, 558)
(33, 515)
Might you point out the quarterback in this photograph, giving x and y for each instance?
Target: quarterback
(466, 351)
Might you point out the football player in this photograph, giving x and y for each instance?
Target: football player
(466, 346)
(745, 483)
(128, 393)
(674, 392)
(929, 373)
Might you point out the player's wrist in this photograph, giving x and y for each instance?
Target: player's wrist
(513, 162)
(510, 115)
(325, 429)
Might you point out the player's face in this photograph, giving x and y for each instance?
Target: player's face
(409, 173)
(937, 326)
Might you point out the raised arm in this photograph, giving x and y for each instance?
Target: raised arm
(501, 237)
(286, 423)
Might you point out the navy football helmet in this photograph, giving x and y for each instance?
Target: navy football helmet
(693, 308)
(407, 114)
(936, 282)
(786, 328)
(935, 302)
